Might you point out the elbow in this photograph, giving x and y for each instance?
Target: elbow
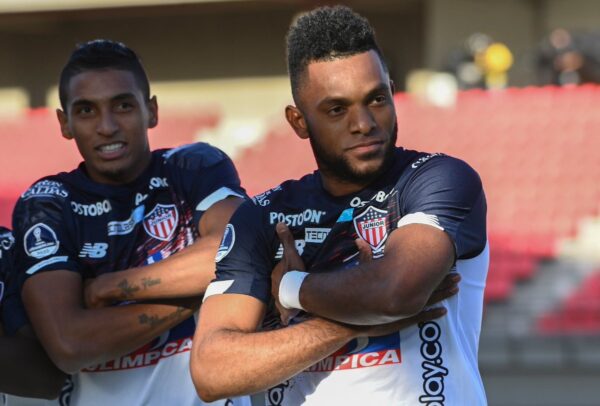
(203, 376)
(404, 304)
(67, 358)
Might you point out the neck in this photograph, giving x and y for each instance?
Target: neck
(337, 187)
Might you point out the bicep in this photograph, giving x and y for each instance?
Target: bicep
(213, 221)
(424, 253)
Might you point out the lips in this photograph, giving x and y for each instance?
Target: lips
(114, 150)
(366, 147)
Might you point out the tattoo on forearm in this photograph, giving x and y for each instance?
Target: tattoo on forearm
(155, 321)
(147, 282)
(127, 290)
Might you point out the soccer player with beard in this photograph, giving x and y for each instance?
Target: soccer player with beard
(117, 253)
(352, 254)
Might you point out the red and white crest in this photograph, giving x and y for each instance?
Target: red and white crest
(371, 226)
(161, 222)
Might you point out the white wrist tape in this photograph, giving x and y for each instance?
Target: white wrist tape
(289, 289)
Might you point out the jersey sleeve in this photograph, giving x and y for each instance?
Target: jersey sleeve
(204, 175)
(244, 259)
(447, 193)
(41, 224)
(12, 311)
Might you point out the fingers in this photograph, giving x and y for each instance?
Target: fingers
(428, 315)
(364, 251)
(439, 295)
(286, 237)
(449, 281)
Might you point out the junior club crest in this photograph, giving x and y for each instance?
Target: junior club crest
(161, 222)
(371, 226)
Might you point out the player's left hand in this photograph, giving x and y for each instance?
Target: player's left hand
(291, 260)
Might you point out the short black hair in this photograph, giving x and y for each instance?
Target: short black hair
(327, 33)
(102, 54)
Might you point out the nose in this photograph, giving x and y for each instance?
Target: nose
(107, 125)
(362, 121)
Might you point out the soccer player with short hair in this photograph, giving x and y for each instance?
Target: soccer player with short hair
(117, 252)
(305, 247)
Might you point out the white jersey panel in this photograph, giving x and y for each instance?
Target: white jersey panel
(432, 364)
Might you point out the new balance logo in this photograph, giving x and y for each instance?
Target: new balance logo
(95, 250)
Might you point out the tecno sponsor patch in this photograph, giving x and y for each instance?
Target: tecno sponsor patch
(307, 216)
(433, 364)
(40, 241)
(45, 188)
(364, 352)
(316, 235)
(94, 209)
(143, 358)
(227, 243)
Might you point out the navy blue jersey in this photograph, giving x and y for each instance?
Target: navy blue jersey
(445, 190)
(69, 222)
(432, 189)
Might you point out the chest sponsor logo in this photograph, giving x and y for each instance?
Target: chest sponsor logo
(307, 216)
(93, 250)
(45, 188)
(127, 226)
(40, 241)
(362, 353)
(161, 222)
(371, 226)
(226, 243)
(316, 235)
(94, 209)
(144, 358)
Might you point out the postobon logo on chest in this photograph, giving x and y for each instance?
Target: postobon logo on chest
(162, 221)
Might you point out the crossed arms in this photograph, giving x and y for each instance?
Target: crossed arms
(77, 331)
(230, 357)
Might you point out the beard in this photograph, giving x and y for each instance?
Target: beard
(339, 167)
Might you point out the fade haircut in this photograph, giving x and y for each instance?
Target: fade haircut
(101, 54)
(325, 34)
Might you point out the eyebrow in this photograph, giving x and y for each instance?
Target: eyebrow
(344, 101)
(120, 96)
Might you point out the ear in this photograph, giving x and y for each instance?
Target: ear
(63, 120)
(153, 112)
(296, 120)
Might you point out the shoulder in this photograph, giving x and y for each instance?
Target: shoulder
(441, 169)
(193, 156)
(289, 193)
(50, 187)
